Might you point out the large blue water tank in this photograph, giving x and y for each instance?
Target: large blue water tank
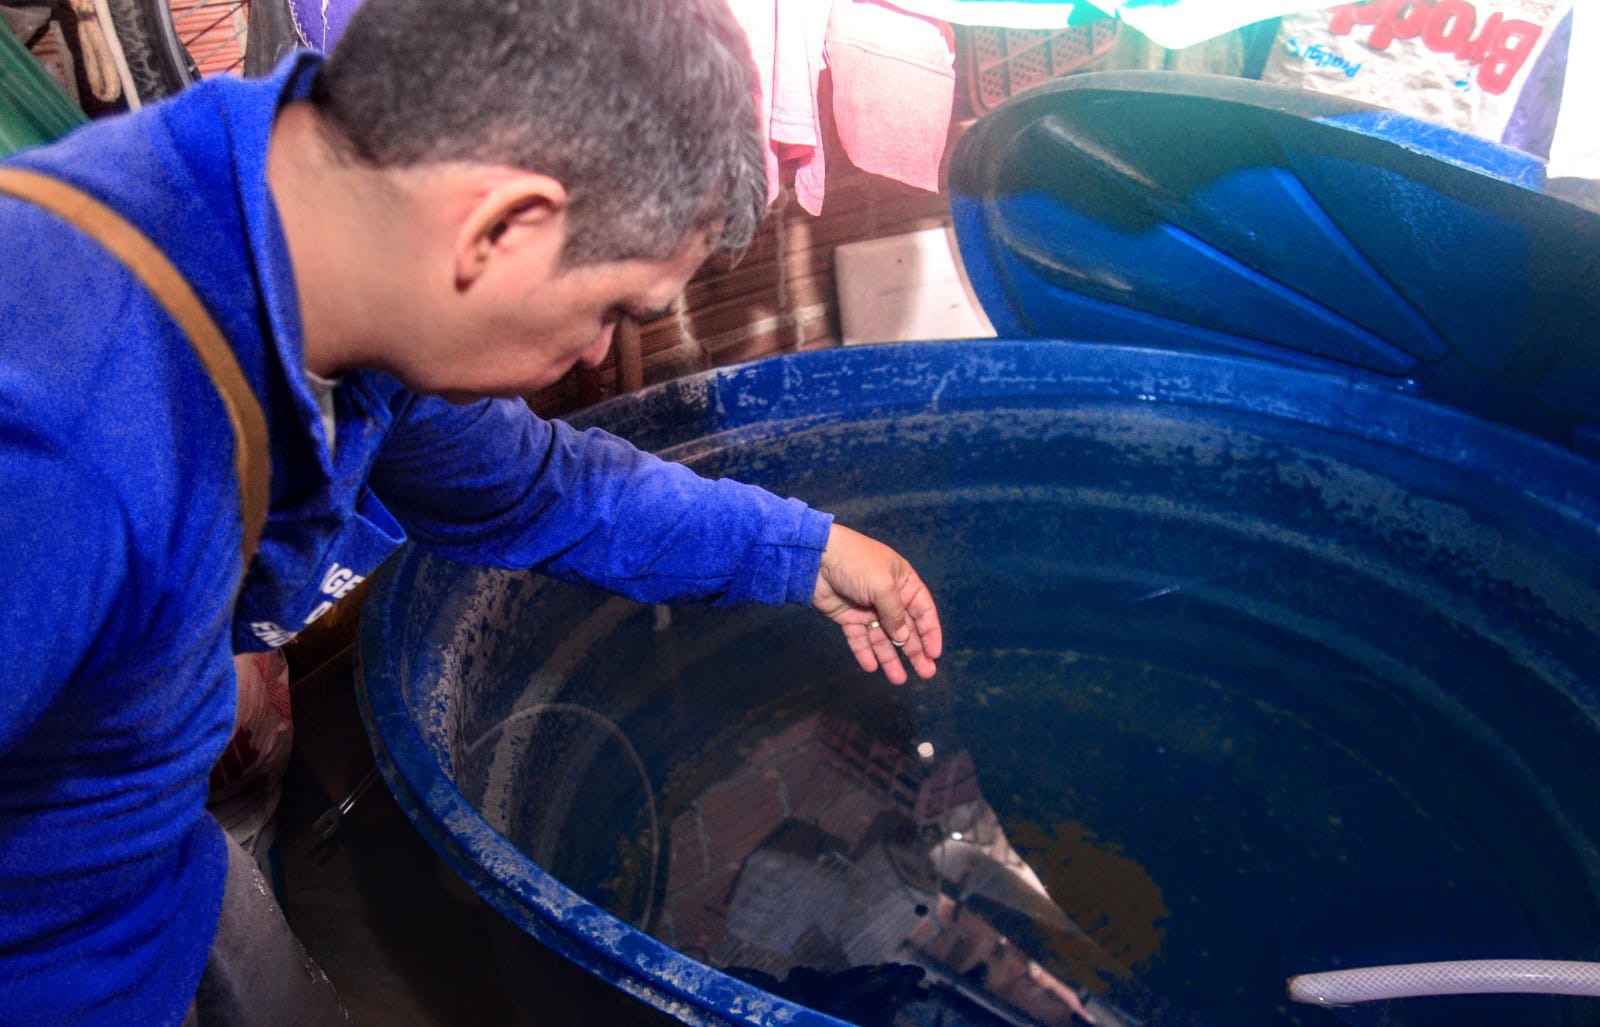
(1272, 603)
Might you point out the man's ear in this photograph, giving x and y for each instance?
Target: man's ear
(523, 214)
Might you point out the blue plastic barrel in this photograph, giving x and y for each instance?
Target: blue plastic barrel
(1309, 661)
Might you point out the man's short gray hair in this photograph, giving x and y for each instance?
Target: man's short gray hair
(644, 110)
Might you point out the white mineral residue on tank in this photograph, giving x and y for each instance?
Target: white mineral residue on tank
(1444, 534)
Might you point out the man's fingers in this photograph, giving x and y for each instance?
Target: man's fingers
(884, 652)
(930, 636)
(924, 640)
(857, 637)
(888, 657)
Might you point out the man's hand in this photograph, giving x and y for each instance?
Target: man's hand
(871, 592)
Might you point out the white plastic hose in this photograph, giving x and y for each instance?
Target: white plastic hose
(1467, 977)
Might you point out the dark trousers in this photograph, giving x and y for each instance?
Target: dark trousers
(258, 973)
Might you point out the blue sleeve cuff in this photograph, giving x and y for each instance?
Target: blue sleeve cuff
(804, 556)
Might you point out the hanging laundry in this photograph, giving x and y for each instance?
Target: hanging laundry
(786, 41)
(890, 76)
(894, 86)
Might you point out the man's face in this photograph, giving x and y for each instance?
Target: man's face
(526, 327)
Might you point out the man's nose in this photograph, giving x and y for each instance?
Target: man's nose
(596, 352)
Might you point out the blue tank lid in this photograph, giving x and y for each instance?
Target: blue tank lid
(1201, 212)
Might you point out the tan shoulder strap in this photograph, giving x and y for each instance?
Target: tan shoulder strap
(251, 455)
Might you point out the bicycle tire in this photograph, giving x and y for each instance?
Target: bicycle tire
(157, 51)
(158, 65)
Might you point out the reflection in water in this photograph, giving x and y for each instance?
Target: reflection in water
(790, 838)
(858, 878)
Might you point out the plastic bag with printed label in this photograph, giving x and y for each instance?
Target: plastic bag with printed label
(1490, 68)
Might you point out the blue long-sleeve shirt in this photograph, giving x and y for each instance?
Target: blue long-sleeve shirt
(119, 538)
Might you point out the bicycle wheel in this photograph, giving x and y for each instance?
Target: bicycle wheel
(170, 44)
